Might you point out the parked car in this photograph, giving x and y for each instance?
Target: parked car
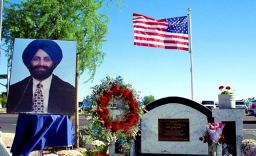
(209, 104)
(241, 104)
(252, 108)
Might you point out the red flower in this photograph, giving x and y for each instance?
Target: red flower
(103, 100)
(127, 93)
(222, 139)
(103, 117)
(126, 127)
(225, 90)
(115, 126)
(221, 87)
(108, 124)
(115, 90)
(105, 111)
(118, 122)
(107, 94)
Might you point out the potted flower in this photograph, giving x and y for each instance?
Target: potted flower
(214, 137)
(226, 98)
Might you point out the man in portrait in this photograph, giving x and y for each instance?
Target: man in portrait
(42, 91)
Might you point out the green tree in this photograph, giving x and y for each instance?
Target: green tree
(3, 100)
(78, 20)
(148, 99)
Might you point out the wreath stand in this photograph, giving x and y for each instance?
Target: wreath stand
(118, 112)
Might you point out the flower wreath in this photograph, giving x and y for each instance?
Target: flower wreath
(123, 119)
(131, 116)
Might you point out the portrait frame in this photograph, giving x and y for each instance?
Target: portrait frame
(65, 70)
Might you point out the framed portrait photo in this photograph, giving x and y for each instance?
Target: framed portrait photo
(43, 75)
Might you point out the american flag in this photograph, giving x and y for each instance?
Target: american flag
(169, 33)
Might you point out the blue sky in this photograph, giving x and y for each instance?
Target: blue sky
(223, 39)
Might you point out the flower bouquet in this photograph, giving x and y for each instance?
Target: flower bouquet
(214, 137)
(213, 134)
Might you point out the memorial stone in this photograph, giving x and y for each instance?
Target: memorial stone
(173, 126)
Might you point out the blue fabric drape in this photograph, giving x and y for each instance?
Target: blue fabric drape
(37, 131)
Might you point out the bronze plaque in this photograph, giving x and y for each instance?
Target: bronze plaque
(173, 129)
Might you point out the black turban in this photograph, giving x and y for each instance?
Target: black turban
(49, 46)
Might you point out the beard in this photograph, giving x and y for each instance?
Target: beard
(41, 72)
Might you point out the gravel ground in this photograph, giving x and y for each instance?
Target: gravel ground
(8, 139)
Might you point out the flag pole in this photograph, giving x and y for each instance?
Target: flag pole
(190, 50)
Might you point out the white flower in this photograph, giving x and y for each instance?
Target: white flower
(98, 143)
(248, 147)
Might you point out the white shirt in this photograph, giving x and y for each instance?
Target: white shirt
(45, 89)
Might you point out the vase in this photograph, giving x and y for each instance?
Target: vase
(215, 150)
(226, 101)
(218, 149)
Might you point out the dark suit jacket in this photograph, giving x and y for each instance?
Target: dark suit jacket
(61, 97)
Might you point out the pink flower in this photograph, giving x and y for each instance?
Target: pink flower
(215, 125)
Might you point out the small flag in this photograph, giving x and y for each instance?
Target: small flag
(169, 33)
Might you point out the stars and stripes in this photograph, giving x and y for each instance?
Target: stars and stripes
(169, 33)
